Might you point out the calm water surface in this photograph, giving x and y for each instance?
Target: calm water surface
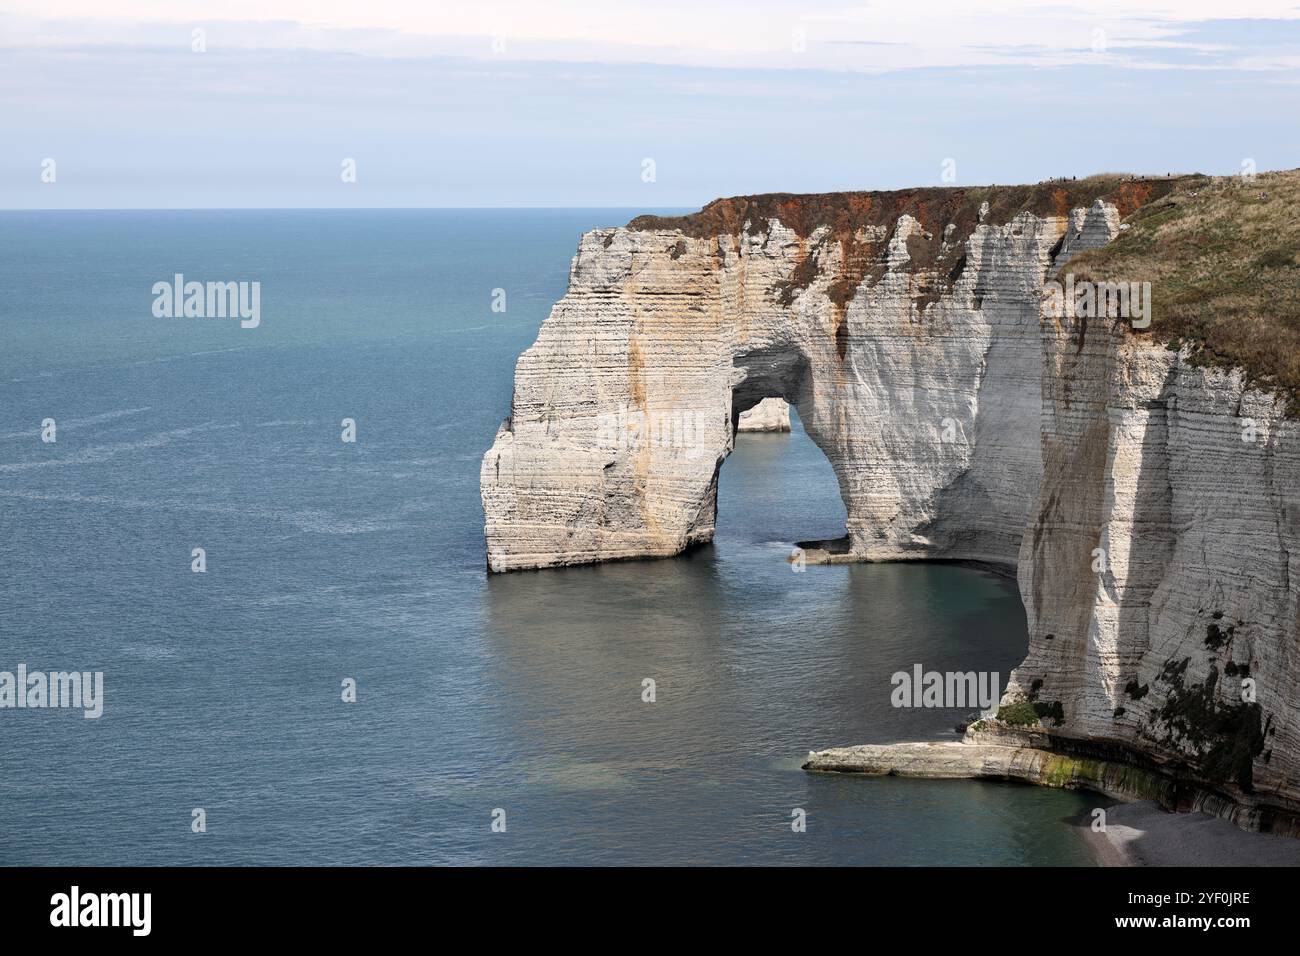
(328, 561)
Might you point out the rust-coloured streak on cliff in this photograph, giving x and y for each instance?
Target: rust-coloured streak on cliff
(862, 222)
(846, 212)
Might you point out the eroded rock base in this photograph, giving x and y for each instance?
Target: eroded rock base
(1052, 760)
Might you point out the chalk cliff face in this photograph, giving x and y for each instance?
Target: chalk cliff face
(962, 422)
(904, 326)
(1160, 570)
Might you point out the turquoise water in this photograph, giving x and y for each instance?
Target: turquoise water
(328, 560)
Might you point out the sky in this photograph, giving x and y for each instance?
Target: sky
(665, 104)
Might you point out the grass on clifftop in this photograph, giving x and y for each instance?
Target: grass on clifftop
(1223, 259)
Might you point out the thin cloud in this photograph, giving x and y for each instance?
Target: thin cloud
(725, 34)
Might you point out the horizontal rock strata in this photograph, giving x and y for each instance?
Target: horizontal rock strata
(1159, 570)
(1053, 760)
(904, 326)
(1148, 504)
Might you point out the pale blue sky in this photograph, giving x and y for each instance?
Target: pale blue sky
(558, 104)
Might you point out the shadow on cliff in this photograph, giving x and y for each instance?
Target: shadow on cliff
(1151, 548)
(1157, 699)
(1064, 592)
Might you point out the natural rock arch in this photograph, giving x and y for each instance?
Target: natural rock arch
(908, 338)
(959, 419)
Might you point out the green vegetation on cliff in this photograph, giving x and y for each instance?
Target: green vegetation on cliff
(1018, 714)
(1223, 259)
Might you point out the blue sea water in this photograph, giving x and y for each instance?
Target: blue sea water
(328, 561)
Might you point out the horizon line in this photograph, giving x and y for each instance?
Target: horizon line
(1127, 175)
(4, 209)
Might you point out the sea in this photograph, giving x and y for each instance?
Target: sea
(343, 682)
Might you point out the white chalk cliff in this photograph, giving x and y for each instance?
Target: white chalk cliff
(769, 415)
(962, 422)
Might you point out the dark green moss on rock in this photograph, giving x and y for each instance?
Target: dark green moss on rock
(1020, 714)
(1136, 691)
(1052, 709)
(1226, 737)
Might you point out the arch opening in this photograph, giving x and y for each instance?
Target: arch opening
(789, 476)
